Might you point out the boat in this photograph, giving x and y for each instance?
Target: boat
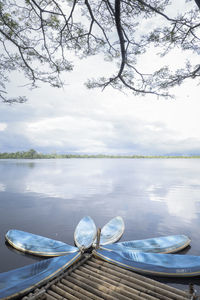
(112, 231)
(155, 264)
(163, 244)
(34, 244)
(85, 233)
(37, 245)
(16, 283)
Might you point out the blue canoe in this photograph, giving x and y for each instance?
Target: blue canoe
(170, 265)
(37, 245)
(16, 283)
(112, 231)
(85, 233)
(165, 244)
(42, 246)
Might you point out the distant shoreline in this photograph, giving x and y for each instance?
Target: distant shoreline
(32, 154)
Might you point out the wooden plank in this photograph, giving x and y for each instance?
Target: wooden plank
(72, 291)
(48, 297)
(132, 293)
(53, 294)
(100, 285)
(89, 295)
(63, 293)
(90, 288)
(131, 281)
(143, 280)
(92, 278)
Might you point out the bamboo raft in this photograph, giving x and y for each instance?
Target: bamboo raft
(92, 278)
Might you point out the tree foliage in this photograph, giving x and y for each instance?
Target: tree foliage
(38, 37)
(33, 154)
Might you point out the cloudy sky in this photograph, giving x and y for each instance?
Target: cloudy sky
(78, 120)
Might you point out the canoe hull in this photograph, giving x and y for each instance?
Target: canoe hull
(85, 233)
(112, 231)
(16, 283)
(167, 244)
(169, 265)
(37, 245)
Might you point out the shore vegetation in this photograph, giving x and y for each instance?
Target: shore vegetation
(33, 154)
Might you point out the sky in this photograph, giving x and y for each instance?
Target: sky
(81, 121)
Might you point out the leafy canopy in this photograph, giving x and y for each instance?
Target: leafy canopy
(38, 37)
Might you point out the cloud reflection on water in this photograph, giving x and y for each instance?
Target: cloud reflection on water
(180, 202)
(73, 184)
(2, 187)
(129, 185)
(147, 193)
(49, 197)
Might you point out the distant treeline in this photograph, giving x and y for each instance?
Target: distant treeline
(32, 154)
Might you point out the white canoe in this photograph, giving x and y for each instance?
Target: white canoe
(37, 245)
(170, 265)
(163, 244)
(112, 231)
(85, 233)
(15, 283)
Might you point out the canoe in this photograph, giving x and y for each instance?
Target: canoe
(112, 231)
(37, 245)
(16, 283)
(156, 264)
(166, 244)
(85, 233)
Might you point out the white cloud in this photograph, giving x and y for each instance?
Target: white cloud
(97, 122)
(79, 120)
(74, 132)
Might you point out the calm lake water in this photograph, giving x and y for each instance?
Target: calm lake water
(49, 197)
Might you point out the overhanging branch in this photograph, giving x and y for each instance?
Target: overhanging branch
(198, 3)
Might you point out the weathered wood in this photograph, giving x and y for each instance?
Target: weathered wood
(90, 288)
(95, 279)
(49, 297)
(125, 290)
(118, 282)
(39, 292)
(150, 294)
(72, 291)
(63, 293)
(140, 285)
(100, 285)
(53, 294)
(98, 237)
(89, 295)
(100, 263)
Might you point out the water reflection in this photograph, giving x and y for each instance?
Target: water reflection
(49, 197)
(68, 184)
(2, 187)
(29, 164)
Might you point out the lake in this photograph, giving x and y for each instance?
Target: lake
(155, 197)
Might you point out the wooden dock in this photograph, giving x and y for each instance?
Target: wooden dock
(92, 278)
